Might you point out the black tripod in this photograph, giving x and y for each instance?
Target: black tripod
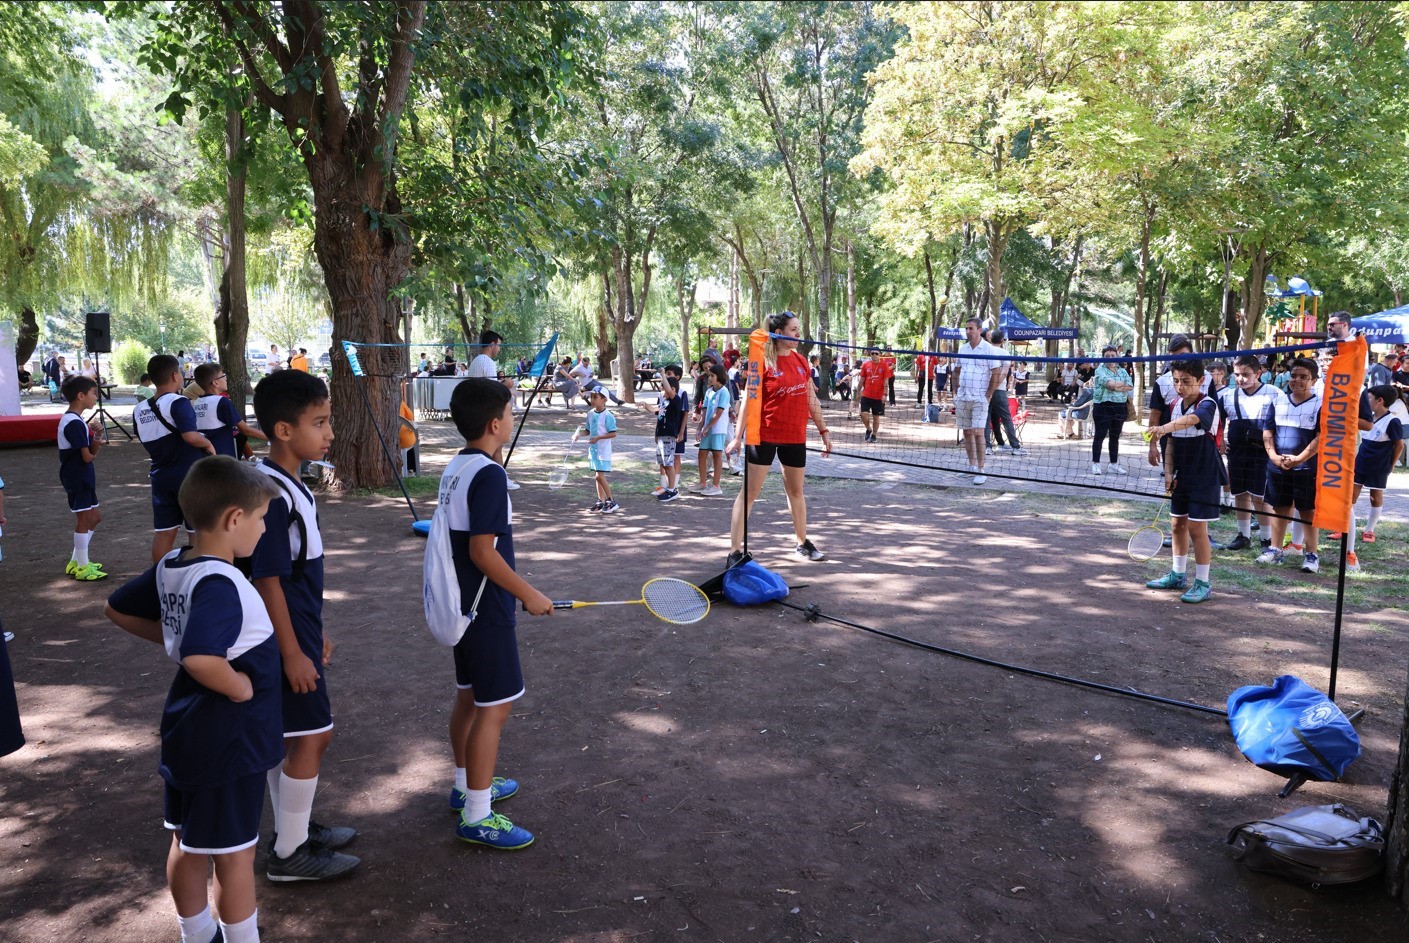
(102, 413)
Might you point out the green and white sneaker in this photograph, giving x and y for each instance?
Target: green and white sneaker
(1200, 591)
(1170, 580)
(90, 573)
(494, 832)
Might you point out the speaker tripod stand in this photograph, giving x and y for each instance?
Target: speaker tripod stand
(102, 414)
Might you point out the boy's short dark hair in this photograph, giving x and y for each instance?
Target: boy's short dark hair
(1385, 392)
(217, 483)
(672, 370)
(489, 337)
(1305, 363)
(1179, 342)
(1194, 368)
(205, 375)
(1250, 361)
(284, 396)
(161, 367)
(74, 387)
(476, 403)
(144, 378)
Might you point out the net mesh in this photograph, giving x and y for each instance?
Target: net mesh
(675, 601)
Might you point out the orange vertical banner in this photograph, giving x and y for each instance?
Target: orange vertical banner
(1339, 435)
(753, 388)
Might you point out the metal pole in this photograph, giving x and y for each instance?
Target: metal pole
(395, 469)
(1340, 609)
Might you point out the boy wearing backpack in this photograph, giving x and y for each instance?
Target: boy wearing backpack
(287, 570)
(474, 499)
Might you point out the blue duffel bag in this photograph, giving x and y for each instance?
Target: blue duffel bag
(750, 584)
(1292, 728)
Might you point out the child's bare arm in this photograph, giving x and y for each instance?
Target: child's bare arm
(217, 674)
(298, 667)
(485, 556)
(148, 629)
(250, 431)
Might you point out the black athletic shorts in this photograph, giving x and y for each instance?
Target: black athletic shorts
(877, 406)
(791, 456)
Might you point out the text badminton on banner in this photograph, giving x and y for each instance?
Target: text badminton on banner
(1339, 436)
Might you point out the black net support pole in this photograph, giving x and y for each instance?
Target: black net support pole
(1340, 610)
(814, 613)
(533, 395)
(395, 468)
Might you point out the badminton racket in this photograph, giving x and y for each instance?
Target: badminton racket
(670, 600)
(1146, 542)
(559, 477)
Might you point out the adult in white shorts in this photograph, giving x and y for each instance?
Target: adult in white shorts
(977, 379)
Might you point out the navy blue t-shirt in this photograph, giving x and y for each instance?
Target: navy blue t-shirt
(207, 739)
(275, 555)
(73, 438)
(669, 421)
(487, 505)
(169, 452)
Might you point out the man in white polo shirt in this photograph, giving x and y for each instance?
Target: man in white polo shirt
(483, 366)
(978, 378)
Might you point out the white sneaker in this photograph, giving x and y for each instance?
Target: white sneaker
(1020, 451)
(1096, 468)
(512, 485)
(697, 489)
(713, 491)
(980, 478)
(973, 469)
(1119, 469)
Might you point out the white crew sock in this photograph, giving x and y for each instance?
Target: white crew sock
(1298, 533)
(1245, 526)
(1374, 517)
(246, 931)
(1350, 538)
(477, 804)
(1201, 571)
(272, 779)
(460, 782)
(1181, 564)
(197, 929)
(80, 547)
(294, 811)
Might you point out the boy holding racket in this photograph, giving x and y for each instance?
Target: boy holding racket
(1193, 474)
(600, 429)
(488, 679)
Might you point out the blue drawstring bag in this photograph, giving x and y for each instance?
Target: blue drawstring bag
(1292, 728)
(750, 584)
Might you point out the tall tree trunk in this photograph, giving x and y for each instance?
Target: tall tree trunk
(232, 317)
(933, 335)
(1142, 281)
(685, 304)
(27, 337)
(1254, 296)
(462, 312)
(1230, 297)
(851, 295)
(804, 310)
(998, 235)
(731, 313)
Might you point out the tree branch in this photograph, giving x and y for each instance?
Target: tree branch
(260, 87)
(255, 20)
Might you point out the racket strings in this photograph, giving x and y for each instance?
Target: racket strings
(675, 601)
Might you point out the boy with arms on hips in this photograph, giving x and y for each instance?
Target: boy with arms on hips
(1244, 407)
(1380, 448)
(600, 429)
(220, 729)
(1193, 473)
(287, 570)
(488, 677)
(79, 443)
(875, 374)
(1290, 441)
(166, 427)
(713, 431)
(215, 414)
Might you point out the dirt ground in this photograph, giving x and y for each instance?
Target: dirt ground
(751, 777)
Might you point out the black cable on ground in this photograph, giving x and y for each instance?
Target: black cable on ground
(815, 612)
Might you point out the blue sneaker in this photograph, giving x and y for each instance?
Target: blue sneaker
(1170, 580)
(1198, 592)
(499, 790)
(494, 832)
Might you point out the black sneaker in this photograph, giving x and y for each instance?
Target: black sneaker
(669, 494)
(1239, 543)
(334, 837)
(809, 552)
(309, 862)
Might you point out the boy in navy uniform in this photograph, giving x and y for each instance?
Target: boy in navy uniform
(1290, 443)
(287, 569)
(166, 426)
(78, 445)
(215, 414)
(488, 679)
(1380, 448)
(220, 729)
(1193, 474)
(1244, 407)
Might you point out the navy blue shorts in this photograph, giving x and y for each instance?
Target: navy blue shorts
(166, 509)
(1291, 488)
(1247, 472)
(216, 820)
(82, 497)
(1196, 500)
(307, 714)
(1376, 479)
(789, 456)
(487, 662)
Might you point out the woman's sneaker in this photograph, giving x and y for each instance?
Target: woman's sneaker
(495, 831)
(809, 552)
(610, 507)
(713, 491)
(597, 506)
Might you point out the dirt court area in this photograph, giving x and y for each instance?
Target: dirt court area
(751, 777)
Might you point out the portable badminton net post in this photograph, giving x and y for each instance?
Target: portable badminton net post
(355, 364)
